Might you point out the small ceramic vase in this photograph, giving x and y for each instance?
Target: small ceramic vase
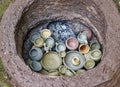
(94, 44)
(35, 66)
(74, 60)
(51, 61)
(33, 36)
(62, 54)
(53, 73)
(38, 42)
(72, 43)
(69, 73)
(88, 32)
(45, 33)
(96, 55)
(49, 43)
(89, 64)
(60, 47)
(84, 48)
(62, 69)
(82, 38)
(80, 71)
(35, 54)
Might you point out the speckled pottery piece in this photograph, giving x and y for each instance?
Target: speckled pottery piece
(60, 47)
(35, 66)
(60, 31)
(82, 38)
(72, 43)
(89, 64)
(74, 60)
(96, 54)
(45, 33)
(94, 44)
(33, 36)
(88, 32)
(38, 42)
(51, 61)
(84, 48)
(35, 53)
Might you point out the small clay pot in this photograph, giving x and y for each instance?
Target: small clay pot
(72, 43)
(45, 33)
(94, 44)
(38, 42)
(89, 64)
(35, 66)
(60, 47)
(35, 53)
(84, 48)
(33, 36)
(88, 32)
(82, 38)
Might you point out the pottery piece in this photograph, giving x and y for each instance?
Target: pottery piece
(35, 53)
(82, 38)
(72, 43)
(62, 69)
(33, 36)
(94, 44)
(88, 32)
(74, 60)
(60, 47)
(62, 54)
(51, 61)
(89, 64)
(96, 54)
(84, 48)
(38, 42)
(35, 66)
(53, 73)
(45, 33)
(80, 71)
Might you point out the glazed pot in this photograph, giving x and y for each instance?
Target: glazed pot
(72, 43)
(35, 53)
(84, 48)
(89, 64)
(38, 42)
(60, 47)
(88, 32)
(35, 66)
(74, 60)
(33, 36)
(82, 38)
(94, 44)
(45, 33)
(96, 54)
(51, 61)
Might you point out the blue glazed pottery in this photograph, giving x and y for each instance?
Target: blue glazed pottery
(35, 53)
(74, 60)
(33, 36)
(82, 38)
(35, 66)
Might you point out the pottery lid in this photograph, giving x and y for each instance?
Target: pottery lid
(51, 61)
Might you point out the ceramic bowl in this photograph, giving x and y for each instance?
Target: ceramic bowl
(74, 60)
(38, 42)
(35, 66)
(45, 33)
(35, 53)
(51, 61)
(33, 36)
(72, 43)
(84, 48)
(82, 38)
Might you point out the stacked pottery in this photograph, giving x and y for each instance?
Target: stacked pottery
(73, 55)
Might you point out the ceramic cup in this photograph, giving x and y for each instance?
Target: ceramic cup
(88, 32)
(45, 33)
(72, 43)
(82, 38)
(33, 36)
(84, 48)
(38, 42)
(35, 53)
(35, 66)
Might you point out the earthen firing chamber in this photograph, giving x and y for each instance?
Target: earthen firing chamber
(99, 15)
